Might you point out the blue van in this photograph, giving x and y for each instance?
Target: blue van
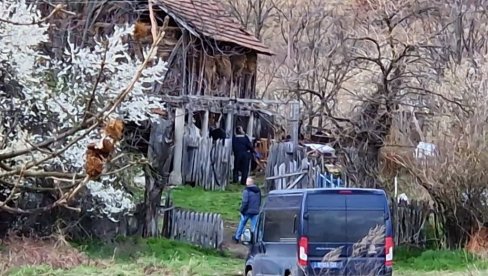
(339, 231)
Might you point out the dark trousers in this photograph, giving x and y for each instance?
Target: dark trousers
(241, 164)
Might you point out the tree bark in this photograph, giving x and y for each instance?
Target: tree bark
(160, 155)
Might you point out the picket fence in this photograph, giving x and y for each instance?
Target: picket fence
(198, 228)
(206, 163)
(410, 222)
(201, 229)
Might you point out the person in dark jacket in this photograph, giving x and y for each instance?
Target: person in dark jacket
(250, 205)
(243, 150)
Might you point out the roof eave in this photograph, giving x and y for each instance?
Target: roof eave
(269, 53)
(178, 20)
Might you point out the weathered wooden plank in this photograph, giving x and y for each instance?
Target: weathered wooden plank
(202, 229)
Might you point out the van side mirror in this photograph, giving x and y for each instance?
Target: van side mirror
(247, 237)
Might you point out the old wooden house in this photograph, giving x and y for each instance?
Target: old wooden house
(209, 53)
(210, 85)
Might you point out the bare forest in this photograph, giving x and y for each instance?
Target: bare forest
(382, 76)
(377, 76)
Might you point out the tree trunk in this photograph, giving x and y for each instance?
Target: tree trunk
(160, 155)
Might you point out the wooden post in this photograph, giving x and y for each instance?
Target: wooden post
(250, 132)
(189, 121)
(185, 61)
(250, 127)
(204, 130)
(229, 122)
(229, 131)
(294, 121)
(175, 177)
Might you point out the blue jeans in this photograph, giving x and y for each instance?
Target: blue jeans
(243, 222)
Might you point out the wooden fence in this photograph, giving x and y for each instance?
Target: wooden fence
(283, 160)
(202, 229)
(292, 168)
(206, 163)
(410, 222)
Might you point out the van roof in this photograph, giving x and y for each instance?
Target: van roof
(332, 190)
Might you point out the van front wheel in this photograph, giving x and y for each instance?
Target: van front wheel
(249, 273)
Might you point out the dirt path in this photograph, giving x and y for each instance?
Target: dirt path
(236, 250)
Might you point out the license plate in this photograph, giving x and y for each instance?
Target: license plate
(321, 265)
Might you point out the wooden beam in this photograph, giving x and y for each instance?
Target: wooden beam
(286, 175)
(184, 86)
(294, 122)
(292, 185)
(250, 127)
(205, 123)
(172, 56)
(175, 177)
(188, 98)
(229, 123)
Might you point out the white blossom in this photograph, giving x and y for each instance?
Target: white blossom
(19, 41)
(55, 92)
(108, 200)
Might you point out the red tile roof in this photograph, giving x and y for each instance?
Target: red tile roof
(208, 18)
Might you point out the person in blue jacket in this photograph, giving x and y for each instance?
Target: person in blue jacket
(243, 152)
(250, 205)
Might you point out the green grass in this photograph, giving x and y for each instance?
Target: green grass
(226, 203)
(406, 259)
(409, 259)
(136, 256)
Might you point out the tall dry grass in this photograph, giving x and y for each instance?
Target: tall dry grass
(29, 251)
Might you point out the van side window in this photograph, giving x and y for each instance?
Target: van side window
(279, 225)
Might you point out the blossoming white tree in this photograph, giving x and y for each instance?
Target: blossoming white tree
(50, 109)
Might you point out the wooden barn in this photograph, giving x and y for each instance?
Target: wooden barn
(210, 86)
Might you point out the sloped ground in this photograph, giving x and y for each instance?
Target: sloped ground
(17, 252)
(125, 257)
(225, 203)
(237, 250)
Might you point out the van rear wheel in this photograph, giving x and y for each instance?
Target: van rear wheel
(249, 273)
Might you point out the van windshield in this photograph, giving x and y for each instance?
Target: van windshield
(340, 226)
